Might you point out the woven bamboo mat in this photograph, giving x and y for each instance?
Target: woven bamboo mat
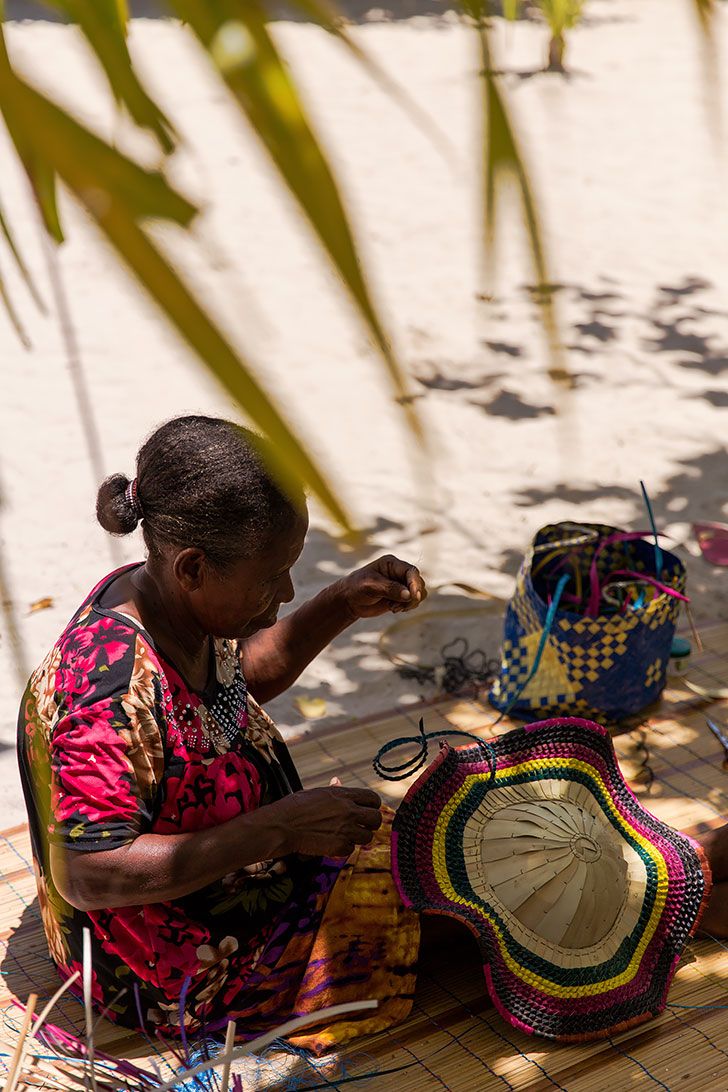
(454, 1039)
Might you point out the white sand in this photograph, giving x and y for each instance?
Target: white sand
(633, 199)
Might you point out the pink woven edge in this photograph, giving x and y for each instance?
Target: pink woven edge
(426, 774)
(708, 878)
(577, 722)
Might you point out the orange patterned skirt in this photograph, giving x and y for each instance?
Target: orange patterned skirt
(366, 948)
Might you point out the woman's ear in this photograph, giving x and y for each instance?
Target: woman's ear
(189, 568)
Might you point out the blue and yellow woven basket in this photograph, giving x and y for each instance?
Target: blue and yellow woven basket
(602, 665)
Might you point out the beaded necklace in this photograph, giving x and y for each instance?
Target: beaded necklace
(219, 724)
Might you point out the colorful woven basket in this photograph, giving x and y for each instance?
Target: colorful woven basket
(581, 900)
(579, 659)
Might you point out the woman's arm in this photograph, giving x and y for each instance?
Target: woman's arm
(274, 658)
(163, 867)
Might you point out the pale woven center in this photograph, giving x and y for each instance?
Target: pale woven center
(585, 848)
(553, 866)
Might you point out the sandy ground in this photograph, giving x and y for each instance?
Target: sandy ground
(632, 184)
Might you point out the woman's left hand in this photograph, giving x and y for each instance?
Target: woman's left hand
(387, 584)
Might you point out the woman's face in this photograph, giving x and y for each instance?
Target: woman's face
(246, 596)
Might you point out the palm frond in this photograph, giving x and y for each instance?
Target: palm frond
(122, 14)
(41, 175)
(236, 35)
(12, 314)
(504, 164)
(7, 233)
(178, 303)
(705, 13)
(327, 16)
(705, 10)
(103, 24)
(561, 15)
(119, 195)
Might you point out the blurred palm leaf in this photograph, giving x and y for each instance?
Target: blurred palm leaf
(41, 175)
(236, 35)
(503, 165)
(122, 13)
(704, 9)
(705, 12)
(13, 314)
(328, 17)
(103, 24)
(119, 195)
(150, 267)
(561, 15)
(44, 182)
(19, 261)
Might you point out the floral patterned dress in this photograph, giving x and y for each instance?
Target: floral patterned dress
(113, 744)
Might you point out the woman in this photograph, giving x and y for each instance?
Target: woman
(166, 814)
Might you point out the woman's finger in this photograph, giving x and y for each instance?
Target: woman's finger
(372, 820)
(394, 590)
(415, 583)
(366, 798)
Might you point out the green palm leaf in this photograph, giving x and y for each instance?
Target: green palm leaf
(19, 261)
(103, 24)
(41, 175)
(561, 15)
(118, 194)
(704, 9)
(705, 12)
(503, 165)
(328, 17)
(163, 284)
(236, 36)
(13, 314)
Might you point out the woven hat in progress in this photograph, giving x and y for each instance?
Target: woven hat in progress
(580, 899)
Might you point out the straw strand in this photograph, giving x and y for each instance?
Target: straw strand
(20, 1046)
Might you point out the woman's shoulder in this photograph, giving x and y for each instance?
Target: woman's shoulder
(98, 657)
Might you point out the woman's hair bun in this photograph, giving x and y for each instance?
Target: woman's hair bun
(115, 511)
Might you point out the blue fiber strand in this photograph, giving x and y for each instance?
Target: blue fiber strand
(645, 1070)
(550, 615)
(653, 525)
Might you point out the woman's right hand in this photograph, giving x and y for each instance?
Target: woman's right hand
(329, 822)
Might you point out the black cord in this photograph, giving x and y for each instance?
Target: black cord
(461, 666)
(411, 765)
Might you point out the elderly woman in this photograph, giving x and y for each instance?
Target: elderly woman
(166, 814)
